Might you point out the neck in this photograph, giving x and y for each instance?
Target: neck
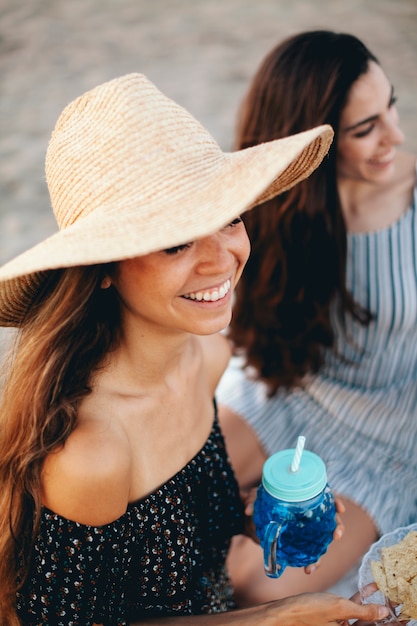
(143, 361)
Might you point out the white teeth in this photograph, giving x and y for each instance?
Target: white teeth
(210, 296)
(383, 160)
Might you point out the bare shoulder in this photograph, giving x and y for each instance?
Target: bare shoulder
(217, 351)
(87, 480)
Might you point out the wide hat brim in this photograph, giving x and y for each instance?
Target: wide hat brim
(188, 198)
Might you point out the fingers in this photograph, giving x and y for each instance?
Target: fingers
(371, 612)
(339, 530)
(340, 507)
(365, 592)
(249, 509)
(356, 598)
(309, 569)
(248, 497)
(376, 611)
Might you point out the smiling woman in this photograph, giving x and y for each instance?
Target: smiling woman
(325, 316)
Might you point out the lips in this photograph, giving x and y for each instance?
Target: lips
(383, 160)
(211, 295)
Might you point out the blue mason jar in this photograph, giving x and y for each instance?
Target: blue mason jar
(294, 512)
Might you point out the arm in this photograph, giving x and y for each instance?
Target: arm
(318, 609)
(244, 449)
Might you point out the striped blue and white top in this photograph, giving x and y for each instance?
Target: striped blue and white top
(360, 412)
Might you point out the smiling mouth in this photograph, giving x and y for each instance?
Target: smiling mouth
(383, 160)
(210, 296)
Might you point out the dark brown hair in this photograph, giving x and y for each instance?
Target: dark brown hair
(297, 265)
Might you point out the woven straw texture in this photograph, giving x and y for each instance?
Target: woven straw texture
(130, 172)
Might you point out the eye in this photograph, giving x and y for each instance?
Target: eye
(393, 101)
(365, 132)
(177, 249)
(235, 222)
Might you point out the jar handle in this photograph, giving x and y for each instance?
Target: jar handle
(272, 532)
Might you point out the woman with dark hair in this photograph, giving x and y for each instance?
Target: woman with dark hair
(325, 317)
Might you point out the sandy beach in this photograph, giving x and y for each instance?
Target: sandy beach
(201, 53)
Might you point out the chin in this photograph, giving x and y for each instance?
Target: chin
(215, 327)
(382, 174)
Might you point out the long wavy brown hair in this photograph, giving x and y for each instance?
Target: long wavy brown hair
(63, 340)
(297, 265)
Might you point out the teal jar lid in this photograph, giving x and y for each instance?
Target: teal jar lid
(305, 483)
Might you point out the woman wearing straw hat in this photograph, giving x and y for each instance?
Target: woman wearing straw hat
(117, 499)
(326, 312)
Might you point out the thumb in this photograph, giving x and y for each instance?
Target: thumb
(371, 612)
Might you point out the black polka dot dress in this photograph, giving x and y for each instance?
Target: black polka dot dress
(164, 557)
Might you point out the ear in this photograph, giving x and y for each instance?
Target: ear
(106, 282)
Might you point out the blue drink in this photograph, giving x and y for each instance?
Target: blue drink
(294, 512)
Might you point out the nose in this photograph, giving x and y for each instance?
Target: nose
(396, 135)
(393, 133)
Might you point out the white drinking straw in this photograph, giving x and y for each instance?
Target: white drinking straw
(297, 454)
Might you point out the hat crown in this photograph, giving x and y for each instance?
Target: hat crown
(123, 141)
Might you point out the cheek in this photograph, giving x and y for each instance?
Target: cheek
(247, 250)
(132, 279)
(350, 154)
(243, 246)
(243, 251)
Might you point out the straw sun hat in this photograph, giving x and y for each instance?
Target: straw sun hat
(130, 172)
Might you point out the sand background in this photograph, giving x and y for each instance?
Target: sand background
(202, 53)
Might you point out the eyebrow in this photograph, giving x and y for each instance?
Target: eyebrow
(372, 118)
